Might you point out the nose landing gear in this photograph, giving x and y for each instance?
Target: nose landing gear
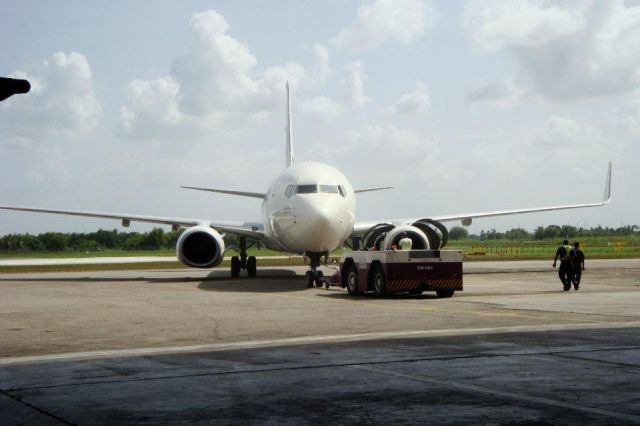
(312, 277)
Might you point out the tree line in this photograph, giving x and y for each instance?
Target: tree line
(158, 239)
(543, 233)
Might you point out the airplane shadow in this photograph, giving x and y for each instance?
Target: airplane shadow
(372, 296)
(271, 280)
(267, 281)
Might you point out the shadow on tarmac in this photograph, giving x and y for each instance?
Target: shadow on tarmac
(267, 281)
(372, 296)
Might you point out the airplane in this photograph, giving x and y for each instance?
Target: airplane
(308, 209)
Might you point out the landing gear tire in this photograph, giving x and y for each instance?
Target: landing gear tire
(308, 277)
(379, 281)
(318, 283)
(251, 266)
(235, 267)
(352, 280)
(445, 292)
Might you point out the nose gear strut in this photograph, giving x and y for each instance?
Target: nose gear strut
(312, 276)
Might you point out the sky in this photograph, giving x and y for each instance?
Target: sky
(463, 106)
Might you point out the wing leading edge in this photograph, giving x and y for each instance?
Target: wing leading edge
(251, 230)
(468, 217)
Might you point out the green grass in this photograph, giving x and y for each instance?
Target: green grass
(473, 250)
(593, 247)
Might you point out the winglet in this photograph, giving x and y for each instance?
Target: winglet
(607, 187)
(289, 159)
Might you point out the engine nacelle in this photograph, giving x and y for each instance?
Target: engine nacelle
(200, 247)
(426, 234)
(419, 239)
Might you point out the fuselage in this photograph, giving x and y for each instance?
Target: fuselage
(309, 208)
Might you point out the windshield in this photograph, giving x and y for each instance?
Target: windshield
(314, 189)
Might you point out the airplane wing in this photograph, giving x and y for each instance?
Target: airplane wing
(226, 191)
(248, 229)
(466, 218)
(358, 191)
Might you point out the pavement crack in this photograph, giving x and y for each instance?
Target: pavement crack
(19, 400)
(320, 366)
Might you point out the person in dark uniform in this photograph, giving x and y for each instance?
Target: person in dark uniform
(565, 272)
(577, 263)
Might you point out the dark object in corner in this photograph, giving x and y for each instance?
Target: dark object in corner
(12, 86)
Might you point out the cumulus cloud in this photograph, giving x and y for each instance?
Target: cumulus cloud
(215, 80)
(564, 50)
(382, 21)
(413, 102)
(62, 101)
(153, 105)
(498, 24)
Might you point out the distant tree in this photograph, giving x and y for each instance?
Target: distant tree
(108, 239)
(154, 240)
(568, 231)
(538, 234)
(54, 241)
(491, 234)
(458, 233)
(517, 234)
(552, 231)
(134, 241)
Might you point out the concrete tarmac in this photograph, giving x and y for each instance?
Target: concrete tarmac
(188, 346)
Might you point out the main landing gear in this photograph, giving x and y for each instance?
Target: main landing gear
(312, 277)
(243, 262)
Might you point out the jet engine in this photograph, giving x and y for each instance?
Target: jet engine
(426, 234)
(200, 247)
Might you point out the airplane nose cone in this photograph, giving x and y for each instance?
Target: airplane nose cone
(326, 226)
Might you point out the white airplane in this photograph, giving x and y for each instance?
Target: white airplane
(308, 209)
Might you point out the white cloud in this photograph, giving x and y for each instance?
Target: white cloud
(216, 81)
(153, 106)
(573, 51)
(413, 102)
(505, 96)
(324, 107)
(62, 101)
(323, 70)
(355, 83)
(627, 115)
(381, 21)
(518, 23)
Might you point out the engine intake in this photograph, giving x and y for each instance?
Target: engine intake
(426, 234)
(200, 247)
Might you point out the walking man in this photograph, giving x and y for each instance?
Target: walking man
(577, 262)
(565, 271)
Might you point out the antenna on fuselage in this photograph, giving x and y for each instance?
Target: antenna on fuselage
(289, 159)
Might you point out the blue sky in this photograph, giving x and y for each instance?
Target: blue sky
(463, 106)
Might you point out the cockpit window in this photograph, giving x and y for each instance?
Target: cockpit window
(313, 189)
(329, 189)
(307, 189)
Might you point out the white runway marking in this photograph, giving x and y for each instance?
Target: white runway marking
(308, 340)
